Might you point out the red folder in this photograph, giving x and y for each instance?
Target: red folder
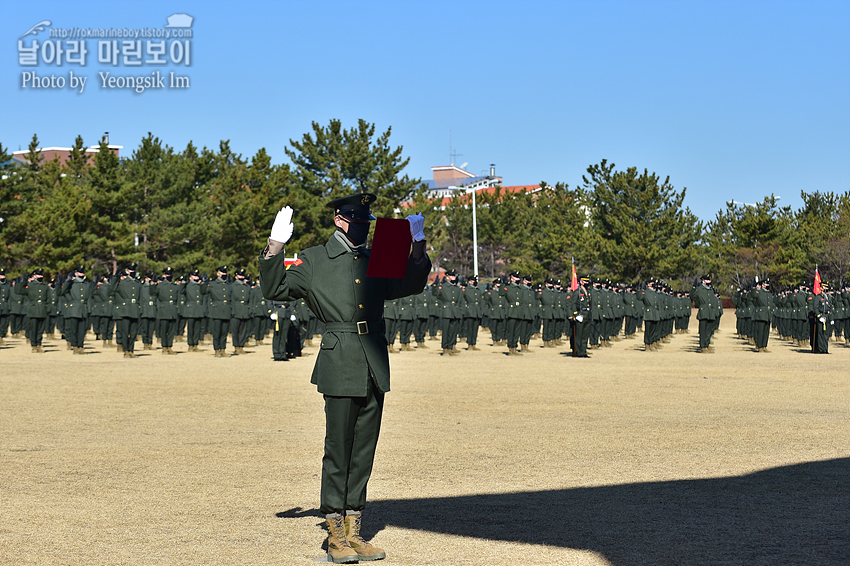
(390, 248)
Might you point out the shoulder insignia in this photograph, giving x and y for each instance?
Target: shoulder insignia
(297, 262)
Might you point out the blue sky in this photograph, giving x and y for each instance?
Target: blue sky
(733, 100)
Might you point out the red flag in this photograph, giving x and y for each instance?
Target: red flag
(817, 287)
(574, 282)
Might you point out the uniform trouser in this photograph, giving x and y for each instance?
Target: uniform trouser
(129, 330)
(391, 329)
(580, 335)
(405, 329)
(239, 329)
(649, 333)
(17, 322)
(4, 325)
(526, 330)
(259, 329)
(450, 328)
(631, 325)
(107, 327)
(181, 326)
(705, 333)
(194, 331)
(761, 332)
(433, 325)
(119, 331)
(548, 329)
(281, 333)
(167, 328)
(218, 329)
(50, 325)
(595, 331)
(420, 328)
(471, 330)
(352, 425)
(498, 329)
(512, 331)
(75, 331)
(559, 327)
(36, 330)
(147, 327)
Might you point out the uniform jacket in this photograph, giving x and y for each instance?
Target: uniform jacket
(332, 280)
(193, 301)
(77, 296)
(450, 297)
(126, 296)
(167, 296)
(219, 303)
(38, 295)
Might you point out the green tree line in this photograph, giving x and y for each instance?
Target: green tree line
(201, 208)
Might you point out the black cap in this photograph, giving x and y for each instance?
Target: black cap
(451, 272)
(130, 268)
(167, 271)
(223, 269)
(515, 274)
(195, 272)
(241, 271)
(2, 271)
(38, 271)
(355, 207)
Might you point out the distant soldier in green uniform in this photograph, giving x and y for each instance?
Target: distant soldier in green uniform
(352, 368)
(37, 293)
(406, 313)
(241, 313)
(218, 293)
(761, 300)
(147, 320)
(422, 308)
(5, 305)
(167, 294)
(702, 296)
(473, 305)
(512, 293)
(581, 309)
(193, 310)
(126, 293)
(449, 295)
(77, 293)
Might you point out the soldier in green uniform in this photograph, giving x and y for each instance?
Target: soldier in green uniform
(498, 306)
(473, 305)
(512, 293)
(702, 296)
(36, 292)
(281, 317)
(405, 313)
(241, 312)
(193, 310)
(126, 293)
(581, 314)
(167, 294)
(260, 312)
(77, 294)
(147, 320)
(5, 305)
(390, 324)
(448, 293)
(761, 299)
(218, 293)
(352, 368)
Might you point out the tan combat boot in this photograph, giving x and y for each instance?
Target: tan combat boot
(365, 551)
(514, 352)
(473, 347)
(339, 551)
(390, 349)
(421, 345)
(446, 352)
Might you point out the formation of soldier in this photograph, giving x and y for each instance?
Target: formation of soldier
(132, 307)
(198, 310)
(798, 315)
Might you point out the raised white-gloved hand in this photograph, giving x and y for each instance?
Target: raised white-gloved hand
(417, 227)
(282, 228)
(293, 318)
(273, 316)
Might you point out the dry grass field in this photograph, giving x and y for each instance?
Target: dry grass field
(627, 458)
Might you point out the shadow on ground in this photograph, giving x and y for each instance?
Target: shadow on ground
(798, 514)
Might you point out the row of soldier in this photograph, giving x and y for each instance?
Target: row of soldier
(590, 316)
(132, 306)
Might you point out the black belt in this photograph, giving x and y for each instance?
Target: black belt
(361, 328)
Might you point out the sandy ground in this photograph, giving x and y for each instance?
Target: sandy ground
(627, 458)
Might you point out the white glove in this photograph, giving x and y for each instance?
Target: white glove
(282, 228)
(293, 318)
(580, 318)
(832, 322)
(822, 319)
(417, 227)
(273, 316)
